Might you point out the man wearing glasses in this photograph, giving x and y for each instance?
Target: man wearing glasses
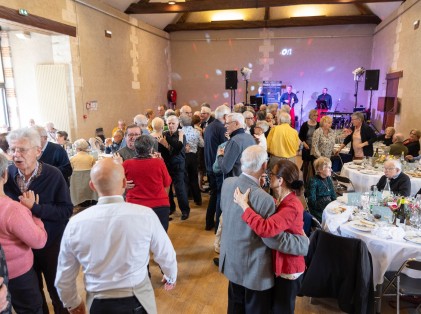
(50, 201)
(400, 183)
(229, 157)
(132, 133)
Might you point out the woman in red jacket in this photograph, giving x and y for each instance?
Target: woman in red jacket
(284, 181)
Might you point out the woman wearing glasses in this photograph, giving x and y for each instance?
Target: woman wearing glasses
(288, 270)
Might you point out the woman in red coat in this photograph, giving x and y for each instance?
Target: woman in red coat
(284, 181)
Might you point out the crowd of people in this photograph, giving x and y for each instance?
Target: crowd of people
(154, 159)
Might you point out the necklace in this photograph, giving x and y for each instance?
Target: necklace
(325, 184)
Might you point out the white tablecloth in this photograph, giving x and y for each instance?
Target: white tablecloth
(362, 182)
(79, 187)
(387, 254)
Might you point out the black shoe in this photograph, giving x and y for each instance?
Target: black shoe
(198, 203)
(216, 261)
(170, 218)
(184, 216)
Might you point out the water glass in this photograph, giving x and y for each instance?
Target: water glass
(365, 201)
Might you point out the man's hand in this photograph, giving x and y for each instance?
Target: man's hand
(28, 199)
(305, 145)
(221, 151)
(117, 157)
(168, 286)
(409, 157)
(129, 184)
(80, 309)
(3, 296)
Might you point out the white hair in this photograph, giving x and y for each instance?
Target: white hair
(221, 111)
(81, 144)
(41, 131)
(173, 118)
(205, 110)
(140, 120)
(29, 134)
(235, 116)
(253, 158)
(284, 117)
(396, 163)
(263, 125)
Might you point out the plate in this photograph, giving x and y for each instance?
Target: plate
(337, 210)
(361, 226)
(366, 171)
(413, 239)
(352, 166)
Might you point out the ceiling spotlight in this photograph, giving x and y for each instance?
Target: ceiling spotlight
(171, 2)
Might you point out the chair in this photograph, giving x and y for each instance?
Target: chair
(79, 187)
(342, 184)
(311, 224)
(403, 284)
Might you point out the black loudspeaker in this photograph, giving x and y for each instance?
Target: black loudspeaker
(372, 80)
(231, 80)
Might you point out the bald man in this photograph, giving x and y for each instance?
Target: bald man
(111, 241)
(397, 148)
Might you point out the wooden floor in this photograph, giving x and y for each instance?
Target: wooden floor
(200, 287)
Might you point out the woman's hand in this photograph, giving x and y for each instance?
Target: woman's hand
(3, 296)
(305, 145)
(28, 199)
(409, 157)
(168, 286)
(242, 199)
(117, 157)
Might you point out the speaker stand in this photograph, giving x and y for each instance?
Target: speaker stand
(232, 98)
(247, 92)
(369, 107)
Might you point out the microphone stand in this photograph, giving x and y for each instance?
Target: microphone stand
(301, 111)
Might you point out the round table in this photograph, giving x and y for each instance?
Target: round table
(387, 254)
(362, 181)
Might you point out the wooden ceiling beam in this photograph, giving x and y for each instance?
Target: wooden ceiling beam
(143, 7)
(363, 9)
(291, 22)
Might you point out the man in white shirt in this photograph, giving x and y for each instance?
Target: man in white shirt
(111, 241)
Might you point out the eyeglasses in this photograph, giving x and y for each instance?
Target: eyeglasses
(273, 175)
(389, 169)
(19, 150)
(249, 118)
(134, 134)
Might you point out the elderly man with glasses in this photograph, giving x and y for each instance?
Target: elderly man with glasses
(133, 131)
(50, 201)
(400, 183)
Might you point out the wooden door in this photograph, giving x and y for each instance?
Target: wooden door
(392, 91)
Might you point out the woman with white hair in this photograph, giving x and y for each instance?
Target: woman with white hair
(82, 160)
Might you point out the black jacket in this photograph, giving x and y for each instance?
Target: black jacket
(303, 136)
(400, 186)
(367, 134)
(340, 268)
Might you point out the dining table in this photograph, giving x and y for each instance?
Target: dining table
(364, 176)
(388, 244)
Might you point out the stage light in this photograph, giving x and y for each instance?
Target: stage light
(359, 71)
(246, 72)
(171, 2)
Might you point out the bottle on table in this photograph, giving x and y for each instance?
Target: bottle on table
(386, 190)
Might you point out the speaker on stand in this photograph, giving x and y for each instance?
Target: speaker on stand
(371, 83)
(231, 81)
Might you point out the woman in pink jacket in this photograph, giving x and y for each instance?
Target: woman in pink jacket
(20, 232)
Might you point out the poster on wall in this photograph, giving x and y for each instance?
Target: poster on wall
(273, 90)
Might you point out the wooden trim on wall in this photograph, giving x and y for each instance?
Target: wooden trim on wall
(394, 75)
(37, 21)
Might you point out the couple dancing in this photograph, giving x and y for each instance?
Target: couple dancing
(259, 283)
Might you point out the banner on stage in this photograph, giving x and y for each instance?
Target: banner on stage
(273, 90)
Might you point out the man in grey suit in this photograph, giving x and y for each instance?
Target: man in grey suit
(245, 258)
(229, 157)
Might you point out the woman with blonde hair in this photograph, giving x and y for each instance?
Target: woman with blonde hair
(323, 139)
(320, 191)
(413, 142)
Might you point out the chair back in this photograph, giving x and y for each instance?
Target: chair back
(414, 264)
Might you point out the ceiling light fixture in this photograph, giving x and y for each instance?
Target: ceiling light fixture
(172, 2)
